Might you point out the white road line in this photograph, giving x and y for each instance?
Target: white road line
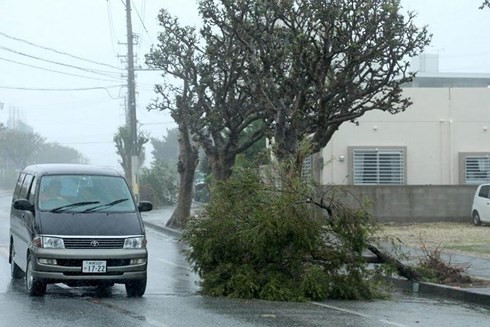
(359, 314)
(63, 286)
(174, 264)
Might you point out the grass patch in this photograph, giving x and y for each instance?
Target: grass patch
(471, 248)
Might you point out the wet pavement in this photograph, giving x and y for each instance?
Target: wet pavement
(173, 299)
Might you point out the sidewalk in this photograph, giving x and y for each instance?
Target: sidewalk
(479, 267)
(157, 219)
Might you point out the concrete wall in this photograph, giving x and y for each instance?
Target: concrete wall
(441, 124)
(414, 203)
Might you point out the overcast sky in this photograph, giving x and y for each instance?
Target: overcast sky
(91, 29)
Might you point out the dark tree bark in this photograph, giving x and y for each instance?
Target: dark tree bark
(188, 161)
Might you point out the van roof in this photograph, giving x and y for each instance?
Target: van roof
(71, 169)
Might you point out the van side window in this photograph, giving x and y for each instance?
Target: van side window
(32, 191)
(25, 186)
(484, 191)
(18, 186)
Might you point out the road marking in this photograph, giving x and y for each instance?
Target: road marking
(63, 286)
(126, 312)
(359, 314)
(174, 264)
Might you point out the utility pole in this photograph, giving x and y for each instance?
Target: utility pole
(132, 103)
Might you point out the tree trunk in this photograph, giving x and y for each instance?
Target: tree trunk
(221, 166)
(188, 160)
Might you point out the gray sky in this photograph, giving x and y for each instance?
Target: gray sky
(87, 120)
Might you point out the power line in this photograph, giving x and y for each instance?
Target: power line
(105, 88)
(61, 89)
(93, 71)
(111, 24)
(59, 52)
(56, 71)
(141, 21)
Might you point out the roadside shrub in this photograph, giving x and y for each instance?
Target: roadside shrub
(255, 240)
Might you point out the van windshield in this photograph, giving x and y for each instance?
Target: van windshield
(84, 193)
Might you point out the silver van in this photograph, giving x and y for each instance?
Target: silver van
(78, 225)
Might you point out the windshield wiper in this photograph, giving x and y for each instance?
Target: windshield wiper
(73, 205)
(107, 205)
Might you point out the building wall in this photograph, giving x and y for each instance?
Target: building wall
(441, 123)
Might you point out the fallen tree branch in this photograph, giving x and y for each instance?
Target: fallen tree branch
(402, 269)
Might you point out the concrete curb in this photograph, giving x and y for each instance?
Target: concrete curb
(443, 291)
(162, 229)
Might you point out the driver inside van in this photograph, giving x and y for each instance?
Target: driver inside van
(50, 196)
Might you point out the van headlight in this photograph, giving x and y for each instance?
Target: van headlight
(135, 242)
(53, 243)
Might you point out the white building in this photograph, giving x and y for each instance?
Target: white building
(442, 139)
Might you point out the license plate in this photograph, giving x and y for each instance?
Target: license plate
(94, 266)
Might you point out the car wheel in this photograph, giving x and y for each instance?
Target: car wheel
(15, 271)
(476, 218)
(136, 288)
(34, 286)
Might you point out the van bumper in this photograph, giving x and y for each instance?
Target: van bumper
(68, 267)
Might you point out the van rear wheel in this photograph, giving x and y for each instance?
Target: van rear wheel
(15, 271)
(476, 218)
(136, 288)
(34, 286)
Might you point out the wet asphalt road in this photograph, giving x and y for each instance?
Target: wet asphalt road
(172, 299)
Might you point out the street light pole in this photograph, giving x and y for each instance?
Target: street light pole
(132, 103)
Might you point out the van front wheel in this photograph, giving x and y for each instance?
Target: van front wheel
(34, 286)
(136, 288)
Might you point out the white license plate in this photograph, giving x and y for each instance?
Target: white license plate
(94, 266)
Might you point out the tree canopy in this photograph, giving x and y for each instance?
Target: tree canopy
(313, 65)
(166, 148)
(212, 98)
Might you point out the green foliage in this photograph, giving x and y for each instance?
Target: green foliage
(256, 241)
(166, 148)
(123, 142)
(159, 184)
(19, 149)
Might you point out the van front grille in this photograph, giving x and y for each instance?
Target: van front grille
(78, 262)
(93, 243)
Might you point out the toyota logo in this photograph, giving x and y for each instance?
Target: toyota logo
(94, 243)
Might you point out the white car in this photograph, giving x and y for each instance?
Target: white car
(481, 205)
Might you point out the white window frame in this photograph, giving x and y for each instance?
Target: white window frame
(472, 173)
(378, 176)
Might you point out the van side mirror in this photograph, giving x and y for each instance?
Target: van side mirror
(23, 204)
(145, 206)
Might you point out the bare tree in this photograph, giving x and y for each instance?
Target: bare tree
(314, 65)
(210, 104)
(122, 140)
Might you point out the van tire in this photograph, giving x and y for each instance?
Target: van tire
(476, 218)
(136, 288)
(15, 271)
(34, 286)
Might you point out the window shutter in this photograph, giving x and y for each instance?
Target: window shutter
(379, 167)
(477, 169)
